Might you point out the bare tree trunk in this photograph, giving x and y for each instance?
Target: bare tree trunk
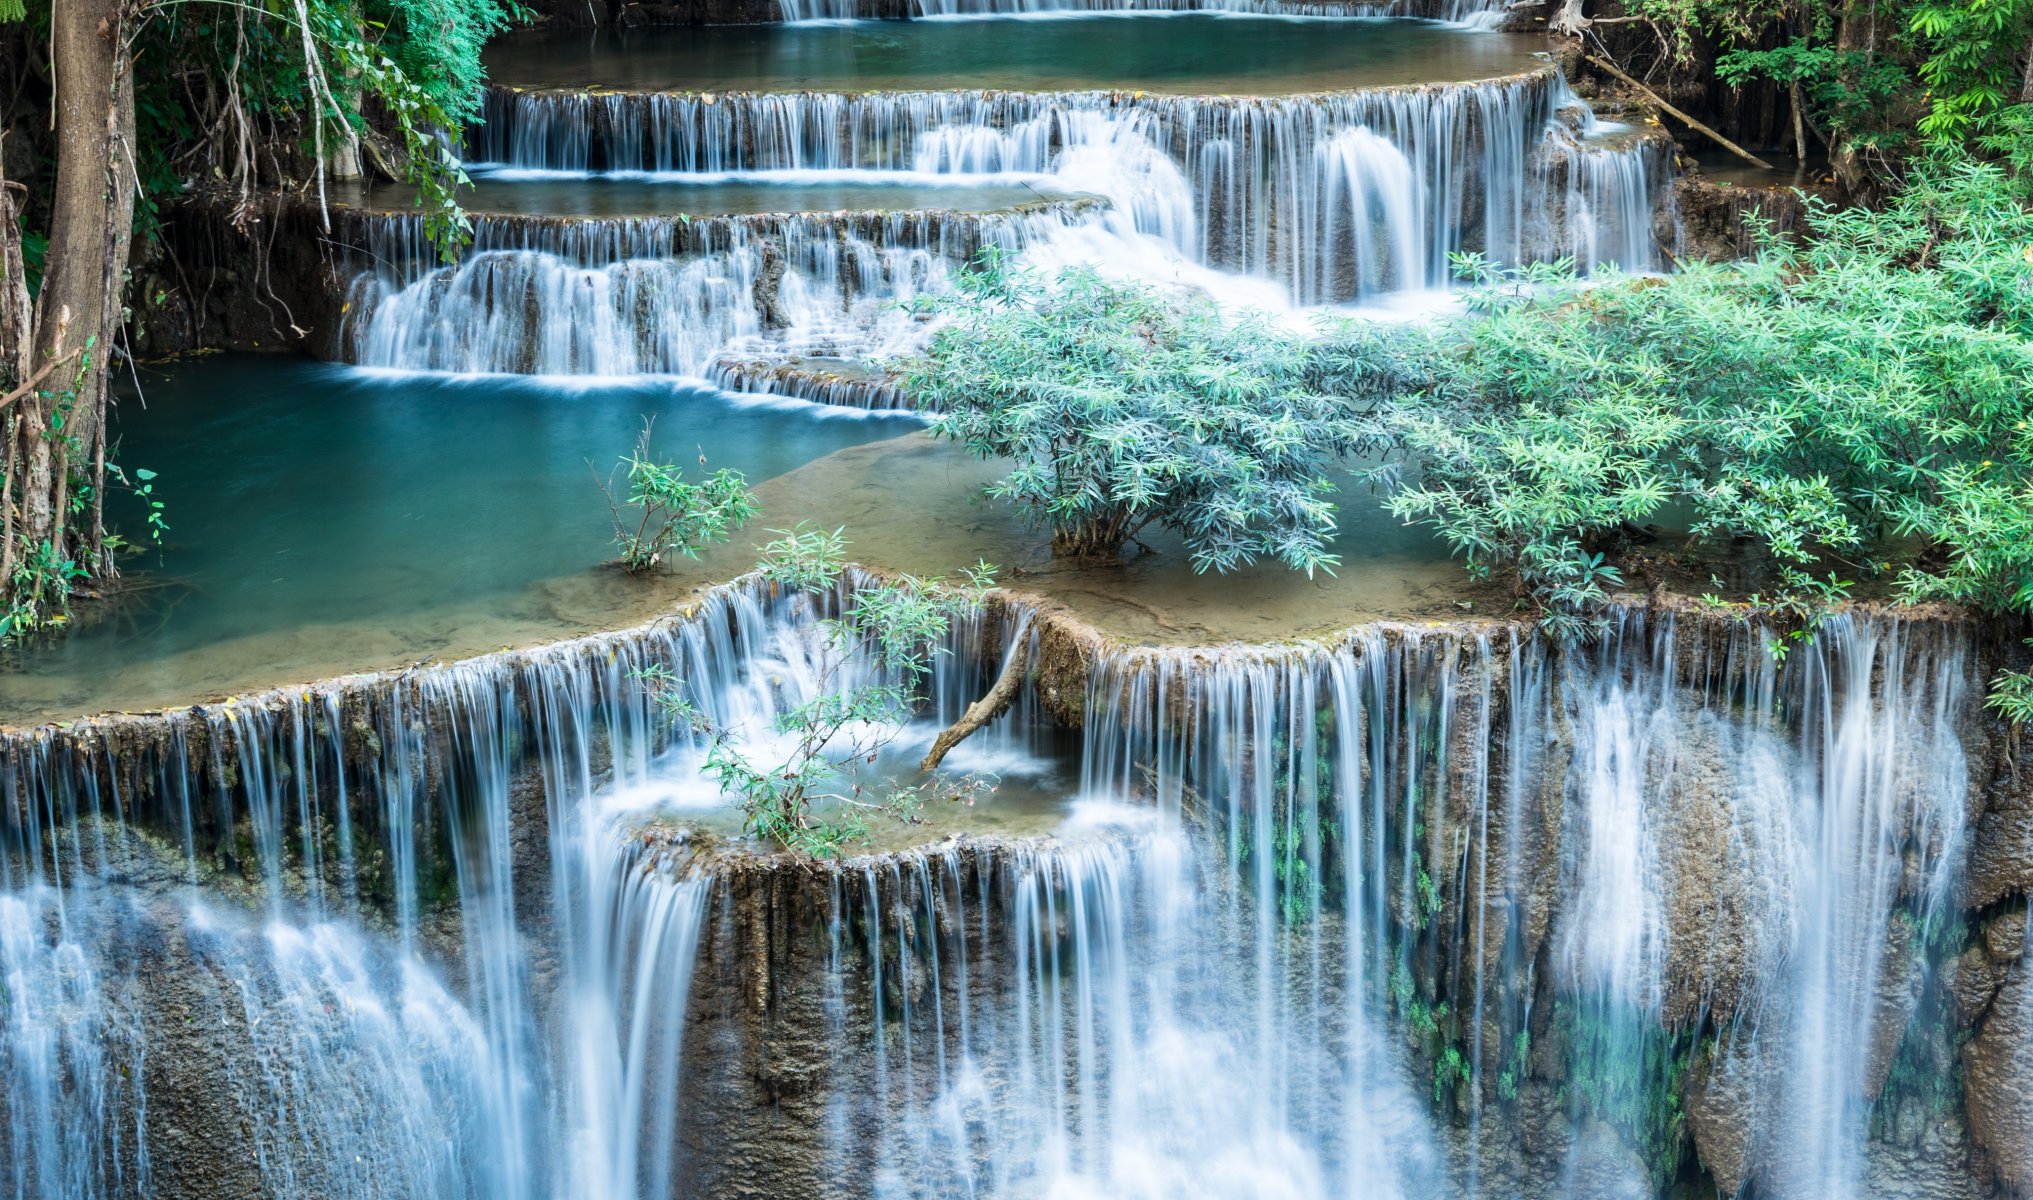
(986, 709)
(58, 435)
(16, 342)
(1568, 19)
(1664, 106)
(2026, 84)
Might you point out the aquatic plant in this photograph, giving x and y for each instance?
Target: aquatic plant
(664, 514)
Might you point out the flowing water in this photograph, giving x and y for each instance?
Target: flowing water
(1298, 935)
(1274, 163)
(366, 1047)
(1399, 910)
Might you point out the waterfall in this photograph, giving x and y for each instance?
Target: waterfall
(1267, 182)
(70, 1055)
(241, 918)
(1322, 921)
(1863, 804)
(1740, 843)
(662, 295)
(1306, 200)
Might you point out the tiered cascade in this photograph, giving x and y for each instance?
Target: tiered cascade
(1415, 913)
(1283, 203)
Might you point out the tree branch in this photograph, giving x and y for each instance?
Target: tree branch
(1697, 126)
(986, 709)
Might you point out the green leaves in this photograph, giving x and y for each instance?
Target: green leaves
(1861, 397)
(1970, 69)
(1125, 407)
(666, 514)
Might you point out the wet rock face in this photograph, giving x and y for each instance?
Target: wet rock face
(2001, 850)
(1713, 221)
(814, 982)
(1721, 907)
(1994, 991)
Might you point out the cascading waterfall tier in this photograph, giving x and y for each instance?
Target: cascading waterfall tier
(1316, 199)
(661, 295)
(843, 385)
(389, 936)
(1707, 881)
(1419, 911)
(1336, 196)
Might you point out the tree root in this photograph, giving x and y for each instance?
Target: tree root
(986, 709)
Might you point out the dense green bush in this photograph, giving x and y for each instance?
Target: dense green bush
(1854, 404)
(1126, 407)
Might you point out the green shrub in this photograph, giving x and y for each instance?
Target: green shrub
(1125, 407)
(664, 514)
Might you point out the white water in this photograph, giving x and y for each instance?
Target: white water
(356, 1054)
(1275, 204)
(1301, 874)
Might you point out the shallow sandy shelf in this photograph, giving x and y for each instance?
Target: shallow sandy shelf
(907, 504)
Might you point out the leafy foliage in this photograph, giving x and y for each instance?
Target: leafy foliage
(1969, 70)
(2012, 696)
(880, 658)
(221, 85)
(1861, 397)
(1125, 407)
(1870, 79)
(665, 515)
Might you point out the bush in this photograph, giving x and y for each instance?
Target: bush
(1126, 407)
(665, 515)
(1830, 402)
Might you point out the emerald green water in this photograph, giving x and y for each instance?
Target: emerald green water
(304, 498)
(328, 520)
(1191, 53)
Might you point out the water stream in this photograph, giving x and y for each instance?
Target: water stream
(1324, 906)
(1278, 164)
(1305, 916)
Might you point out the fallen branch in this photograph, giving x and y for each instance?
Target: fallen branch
(986, 709)
(1693, 124)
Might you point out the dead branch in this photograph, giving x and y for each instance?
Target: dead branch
(1691, 123)
(986, 709)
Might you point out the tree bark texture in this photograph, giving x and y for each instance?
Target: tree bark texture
(56, 432)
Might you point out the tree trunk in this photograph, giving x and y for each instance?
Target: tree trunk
(16, 339)
(2026, 84)
(56, 448)
(1094, 541)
